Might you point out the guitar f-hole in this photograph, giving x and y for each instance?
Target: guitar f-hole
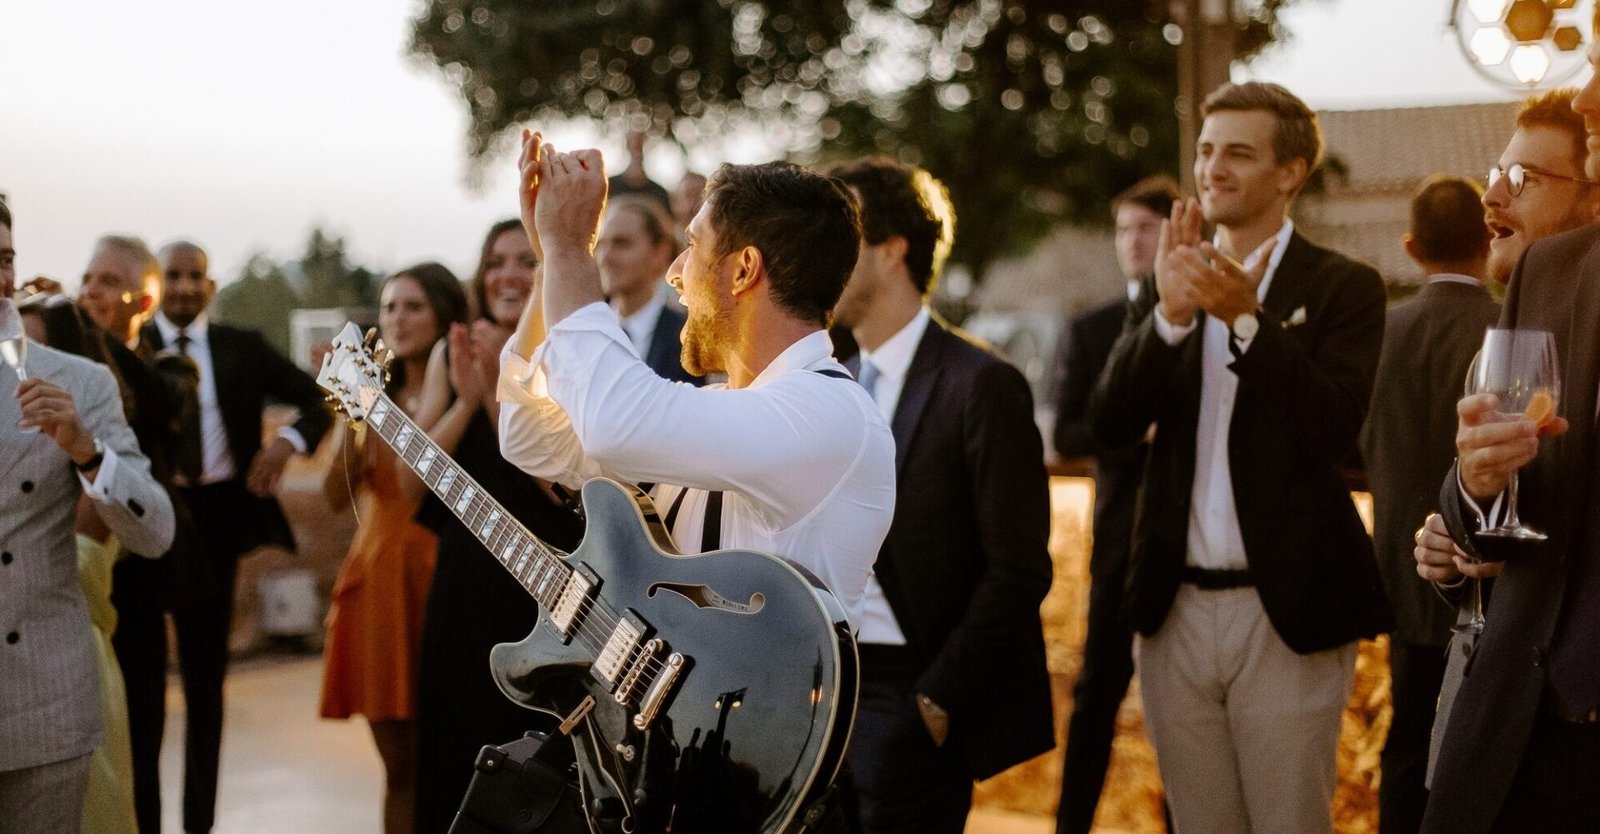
(703, 597)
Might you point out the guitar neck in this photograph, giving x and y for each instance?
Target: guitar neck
(537, 566)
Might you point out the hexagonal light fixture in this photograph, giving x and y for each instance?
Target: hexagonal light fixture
(1529, 63)
(1489, 45)
(1529, 20)
(1488, 11)
(1523, 43)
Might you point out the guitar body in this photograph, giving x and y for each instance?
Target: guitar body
(755, 724)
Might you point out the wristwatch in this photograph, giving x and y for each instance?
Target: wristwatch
(95, 460)
(1245, 327)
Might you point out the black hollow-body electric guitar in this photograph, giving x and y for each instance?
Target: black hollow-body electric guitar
(711, 693)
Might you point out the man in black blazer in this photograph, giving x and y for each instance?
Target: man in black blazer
(1521, 751)
(1081, 355)
(1251, 575)
(227, 478)
(1408, 444)
(954, 685)
(635, 247)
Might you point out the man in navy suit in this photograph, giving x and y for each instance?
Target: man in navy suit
(635, 248)
(227, 477)
(1085, 344)
(954, 685)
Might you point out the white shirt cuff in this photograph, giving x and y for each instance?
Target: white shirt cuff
(295, 438)
(102, 477)
(1171, 333)
(1485, 520)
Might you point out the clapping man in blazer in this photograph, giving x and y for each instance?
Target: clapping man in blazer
(62, 436)
(228, 479)
(1251, 576)
(954, 686)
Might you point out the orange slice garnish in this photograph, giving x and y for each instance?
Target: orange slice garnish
(1541, 408)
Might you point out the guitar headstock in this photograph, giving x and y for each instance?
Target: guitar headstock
(355, 371)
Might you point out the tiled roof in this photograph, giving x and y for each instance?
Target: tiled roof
(1395, 149)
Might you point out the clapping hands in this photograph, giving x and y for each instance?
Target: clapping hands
(562, 196)
(1192, 275)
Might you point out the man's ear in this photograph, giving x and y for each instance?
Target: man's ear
(1293, 175)
(1409, 243)
(894, 248)
(751, 268)
(146, 303)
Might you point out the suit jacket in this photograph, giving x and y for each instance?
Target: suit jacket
(965, 565)
(49, 684)
(665, 355)
(249, 373)
(1409, 441)
(1081, 354)
(1303, 390)
(1556, 287)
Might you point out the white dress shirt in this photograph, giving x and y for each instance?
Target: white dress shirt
(893, 360)
(805, 460)
(1215, 541)
(216, 459)
(641, 326)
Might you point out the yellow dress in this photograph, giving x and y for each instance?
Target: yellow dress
(375, 622)
(108, 807)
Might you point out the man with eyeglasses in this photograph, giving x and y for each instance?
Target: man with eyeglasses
(1538, 188)
(1521, 751)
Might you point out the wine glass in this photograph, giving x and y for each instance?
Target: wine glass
(1520, 368)
(13, 339)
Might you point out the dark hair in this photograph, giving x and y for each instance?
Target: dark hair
(1298, 134)
(806, 227)
(5, 213)
(1156, 193)
(1553, 109)
(445, 297)
(899, 199)
(1447, 220)
(70, 330)
(658, 223)
(478, 297)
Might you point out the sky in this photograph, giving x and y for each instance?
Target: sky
(243, 125)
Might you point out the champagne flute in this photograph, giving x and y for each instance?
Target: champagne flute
(1520, 368)
(13, 339)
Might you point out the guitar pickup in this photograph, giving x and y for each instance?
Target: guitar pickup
(580, 588)
(614, 656)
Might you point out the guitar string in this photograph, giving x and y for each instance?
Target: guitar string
(584, 616)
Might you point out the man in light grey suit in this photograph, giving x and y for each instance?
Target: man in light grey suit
(62, 435)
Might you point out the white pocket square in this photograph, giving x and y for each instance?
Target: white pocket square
(1296, 317)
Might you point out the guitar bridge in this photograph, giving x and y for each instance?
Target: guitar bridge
(641, 663)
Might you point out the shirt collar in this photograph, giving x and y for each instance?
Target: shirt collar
(1453, 278)
(646, 316)
(806, 351)
(893, 357)
(1133, 290)
(169, 332)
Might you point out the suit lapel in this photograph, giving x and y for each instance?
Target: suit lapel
(1287, 288)
(921, 378)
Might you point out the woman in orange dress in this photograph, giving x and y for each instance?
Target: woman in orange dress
(375, 622)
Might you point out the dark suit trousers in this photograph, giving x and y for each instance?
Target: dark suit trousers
(1417, 672)
(1554, 789)
(1096, 698)
(903, 782)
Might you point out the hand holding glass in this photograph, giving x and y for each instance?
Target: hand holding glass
(1520, 368)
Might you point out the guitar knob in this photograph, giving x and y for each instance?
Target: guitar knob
(605, 808)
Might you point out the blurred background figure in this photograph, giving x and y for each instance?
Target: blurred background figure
(375, 622)
(686, 198)
(637, 243)
(1082, 349)
(474, 602)
(1408, 445)
(634, 180)
(228, 478)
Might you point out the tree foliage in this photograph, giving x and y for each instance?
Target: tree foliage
(266, 292)
(1032, 112)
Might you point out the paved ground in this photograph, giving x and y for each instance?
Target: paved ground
(284, 771)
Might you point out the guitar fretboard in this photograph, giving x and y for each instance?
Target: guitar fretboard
(537, 566)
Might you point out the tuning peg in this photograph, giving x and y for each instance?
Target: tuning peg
(370, 339)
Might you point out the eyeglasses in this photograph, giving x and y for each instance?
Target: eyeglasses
(1517, 176)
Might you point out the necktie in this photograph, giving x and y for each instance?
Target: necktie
(183, 341)
(190, 457)
(869, 379)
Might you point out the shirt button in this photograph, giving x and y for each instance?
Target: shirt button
(13, 637)
(1538, 657)
(27, 486)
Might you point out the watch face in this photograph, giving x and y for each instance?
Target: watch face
(1245, 326)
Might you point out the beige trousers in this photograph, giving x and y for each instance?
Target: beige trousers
(1245, 730)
